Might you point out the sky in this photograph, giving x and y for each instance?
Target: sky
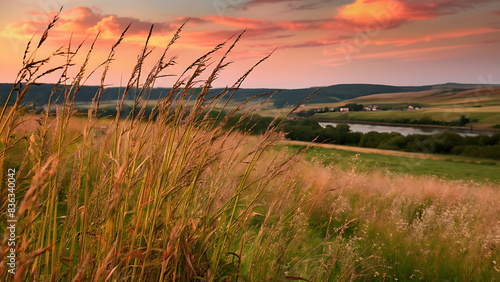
(315, 43)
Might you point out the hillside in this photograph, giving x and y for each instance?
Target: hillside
(484, 96)
(329, 94)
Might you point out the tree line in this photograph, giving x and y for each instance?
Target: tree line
(445, 142)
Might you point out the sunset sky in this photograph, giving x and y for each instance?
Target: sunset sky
(319, 42)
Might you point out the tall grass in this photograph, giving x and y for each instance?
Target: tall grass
(404, 227)
(170, 196)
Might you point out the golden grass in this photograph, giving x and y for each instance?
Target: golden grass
(410, 227)
(161, 197)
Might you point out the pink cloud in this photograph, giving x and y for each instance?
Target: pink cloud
(431, 37)
(239, 22)
(83, 20)
(305, 44)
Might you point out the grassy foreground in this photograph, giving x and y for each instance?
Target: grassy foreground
(174, 197)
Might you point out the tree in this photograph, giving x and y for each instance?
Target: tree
(354, 107)
(462, 121)
(344, 128)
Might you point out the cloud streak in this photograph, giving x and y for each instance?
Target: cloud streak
(403, 41)
(430, 53)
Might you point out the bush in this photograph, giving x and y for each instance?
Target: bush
(491, 152)
(396, 142)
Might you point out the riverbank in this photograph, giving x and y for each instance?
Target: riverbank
(463, 129)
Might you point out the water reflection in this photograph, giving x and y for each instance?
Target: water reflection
(403, 130)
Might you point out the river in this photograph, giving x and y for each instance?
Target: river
(403, 130)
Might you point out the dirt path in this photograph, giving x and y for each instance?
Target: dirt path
(372, 151)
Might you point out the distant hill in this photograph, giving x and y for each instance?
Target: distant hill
(40, 94)
(329, 94)
(460, 86)
(480, 96)
(339, 92)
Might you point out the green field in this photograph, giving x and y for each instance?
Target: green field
(467, 169)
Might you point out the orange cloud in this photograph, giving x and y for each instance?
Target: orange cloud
(305, 44)
(239, 22)
(265, 25)
(108, 26)
(382, 13)
(82, 21)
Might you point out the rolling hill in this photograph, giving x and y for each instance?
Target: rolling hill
(479, 97)
(39, 95)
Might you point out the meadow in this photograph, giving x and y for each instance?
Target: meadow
(176, 196)
(400, 163)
